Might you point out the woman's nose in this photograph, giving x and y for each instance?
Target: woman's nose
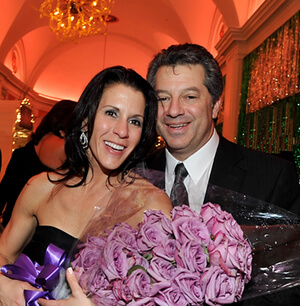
(121, 128)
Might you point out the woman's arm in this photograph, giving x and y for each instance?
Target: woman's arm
(20, 229)
(16, 235)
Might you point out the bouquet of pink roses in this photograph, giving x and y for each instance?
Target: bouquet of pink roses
(188, 260)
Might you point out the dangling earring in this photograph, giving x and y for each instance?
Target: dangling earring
(84, 140)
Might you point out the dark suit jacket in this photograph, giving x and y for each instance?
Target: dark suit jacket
(249, 172)
(255, 174)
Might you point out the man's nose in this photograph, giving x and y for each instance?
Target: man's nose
(175, 108)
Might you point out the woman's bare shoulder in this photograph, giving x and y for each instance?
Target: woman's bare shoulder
(36, 191)
(41, 185)
(42, 180)
(152, 197)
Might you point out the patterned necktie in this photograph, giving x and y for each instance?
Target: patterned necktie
(179, 195)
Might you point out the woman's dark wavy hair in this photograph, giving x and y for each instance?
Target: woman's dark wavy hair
(77, 163)
(56, 120)
(189, 54)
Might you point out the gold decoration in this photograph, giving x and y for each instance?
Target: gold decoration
(72, 19)
(274, 73)
(160, 143)
(23, 124)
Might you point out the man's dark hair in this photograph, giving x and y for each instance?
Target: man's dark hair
(189, 54)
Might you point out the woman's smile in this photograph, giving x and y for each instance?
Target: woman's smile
(114, 146)
(118, 125)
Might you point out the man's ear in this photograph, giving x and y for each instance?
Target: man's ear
(216, 108)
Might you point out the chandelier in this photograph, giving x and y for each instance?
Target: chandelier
(72, 19)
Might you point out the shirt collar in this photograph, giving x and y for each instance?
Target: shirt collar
(203, 158)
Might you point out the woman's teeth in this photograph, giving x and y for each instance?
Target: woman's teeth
(114, 146)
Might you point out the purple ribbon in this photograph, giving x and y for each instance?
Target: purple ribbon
(46, 276)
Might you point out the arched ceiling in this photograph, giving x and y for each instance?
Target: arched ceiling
(61, 69)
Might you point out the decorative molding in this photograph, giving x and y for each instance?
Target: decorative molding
(268, 17)
(11, 83)
(268, 9)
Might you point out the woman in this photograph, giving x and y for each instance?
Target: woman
(112, 129)
(44, 152)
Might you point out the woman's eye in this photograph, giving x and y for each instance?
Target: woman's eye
(111, 113)
(135, 122)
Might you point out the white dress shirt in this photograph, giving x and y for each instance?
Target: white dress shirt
(199, 167)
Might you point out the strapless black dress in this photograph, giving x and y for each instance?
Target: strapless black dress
(43, 236)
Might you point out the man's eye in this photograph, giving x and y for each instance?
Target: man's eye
(111, 113)
(135, 122)
(162, 99)
(190, 97)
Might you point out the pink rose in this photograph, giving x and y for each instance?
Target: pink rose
(124, 234)
(98, 242)
(209, 212)
(114, 262)
(190, 286)
(227, 225)
(83, 279)
(150, 235)
(158, 218)
(161, 269)
(219, 288)
(192, 256)
(121, 291)
(147, 301)
(89, 253)
(166, 250)
(139, 284)
(217, 220)
(170, 296)
(155, 229)
(183, 211)
(219, 254)
(135, 259)
(106, 297)
(97, 280)
(78, 271)
(231, 255)
(191, 228)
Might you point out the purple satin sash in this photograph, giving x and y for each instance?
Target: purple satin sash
(46, 276)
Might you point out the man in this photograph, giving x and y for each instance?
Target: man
(189, 84)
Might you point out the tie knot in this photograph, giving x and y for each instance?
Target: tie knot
(181, 171)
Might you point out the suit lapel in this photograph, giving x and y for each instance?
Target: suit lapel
(228, 171)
